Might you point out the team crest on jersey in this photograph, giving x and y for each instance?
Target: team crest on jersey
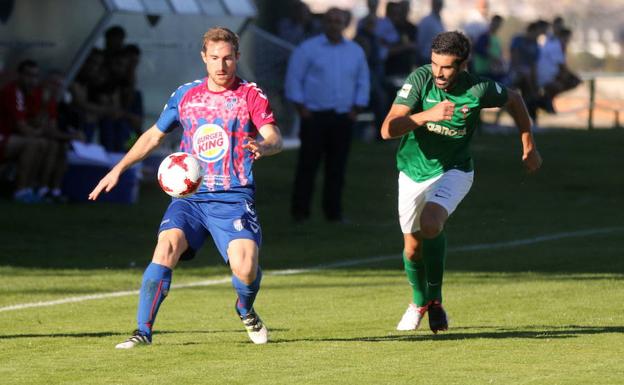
(464, 110)
(210, 142)
(231, 102)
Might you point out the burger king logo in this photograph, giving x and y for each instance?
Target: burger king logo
(210, 143)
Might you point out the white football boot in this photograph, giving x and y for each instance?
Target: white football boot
(412, 317)
(256, 330)
(136, 339)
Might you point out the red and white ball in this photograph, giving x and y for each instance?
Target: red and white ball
(180, 174)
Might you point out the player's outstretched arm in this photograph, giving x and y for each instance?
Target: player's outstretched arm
(270, 144)
(530, 156)
(399, 122)
(146, 143)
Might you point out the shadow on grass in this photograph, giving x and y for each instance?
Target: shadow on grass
(111, 334)
(465, 333)
(541, 332)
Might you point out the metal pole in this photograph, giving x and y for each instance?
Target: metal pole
(592, 98)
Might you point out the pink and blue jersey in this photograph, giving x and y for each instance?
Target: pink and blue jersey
(216, 126)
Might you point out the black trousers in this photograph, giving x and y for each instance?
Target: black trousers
(325, 136)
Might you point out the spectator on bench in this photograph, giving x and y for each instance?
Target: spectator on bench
(28, 135)
(16, 142)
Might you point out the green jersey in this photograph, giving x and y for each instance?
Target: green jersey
(436, 147)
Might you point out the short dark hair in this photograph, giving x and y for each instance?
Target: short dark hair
(452, 43)
(25, 64)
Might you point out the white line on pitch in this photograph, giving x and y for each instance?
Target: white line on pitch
(210, 282)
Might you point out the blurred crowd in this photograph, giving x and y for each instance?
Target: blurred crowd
(331, 79)
(534, 62)
(40, 116)
(330, 82)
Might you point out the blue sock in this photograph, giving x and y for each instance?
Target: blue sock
(246, 293)
(155, 287)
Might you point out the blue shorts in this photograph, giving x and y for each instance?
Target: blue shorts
(225, 221)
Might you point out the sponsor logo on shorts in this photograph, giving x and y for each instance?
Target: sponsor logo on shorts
(210, 143)
(443, 193)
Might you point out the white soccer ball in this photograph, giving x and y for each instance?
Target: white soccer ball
(180, 174)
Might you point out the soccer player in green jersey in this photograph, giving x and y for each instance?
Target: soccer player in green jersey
(435, 114)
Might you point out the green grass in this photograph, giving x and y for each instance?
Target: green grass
(541, 313)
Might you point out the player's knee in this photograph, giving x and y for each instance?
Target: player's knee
(247, 274)
(169, 248)
(411, 248)
(412, 253)
(430, 228)
(243, 259)
(432, 220)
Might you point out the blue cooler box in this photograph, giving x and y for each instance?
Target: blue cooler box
(83, 175)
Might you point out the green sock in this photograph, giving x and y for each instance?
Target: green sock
(434, 255)
(416, 276)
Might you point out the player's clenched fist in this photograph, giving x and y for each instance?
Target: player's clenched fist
(441, 111)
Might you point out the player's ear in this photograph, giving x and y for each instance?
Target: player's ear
(203, 55)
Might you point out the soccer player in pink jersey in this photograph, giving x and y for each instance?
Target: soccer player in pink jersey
(221, 116)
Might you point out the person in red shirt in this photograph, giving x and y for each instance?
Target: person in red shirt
(20, 141)
(29, 134)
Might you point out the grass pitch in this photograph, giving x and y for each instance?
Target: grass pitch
(536, 300)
